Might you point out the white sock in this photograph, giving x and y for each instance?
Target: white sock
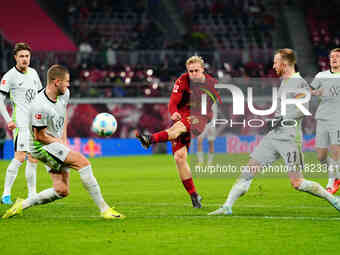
(331, 167)
(44, 197)
(316, 189)
(31, 178)
(91, 185)
(240, 188)
(11, 174)
(337, 170)
(200, 156)
(210, 157)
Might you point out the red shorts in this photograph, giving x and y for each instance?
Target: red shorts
(195, 127)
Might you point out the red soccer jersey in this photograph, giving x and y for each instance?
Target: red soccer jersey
(186, 98)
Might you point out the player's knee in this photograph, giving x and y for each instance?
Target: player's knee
(180, 156)
(81, 162)
(20, 156)
(31, 159)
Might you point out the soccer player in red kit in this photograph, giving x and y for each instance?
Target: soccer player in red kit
(185, 111)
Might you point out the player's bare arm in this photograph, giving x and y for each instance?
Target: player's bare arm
(3, 110)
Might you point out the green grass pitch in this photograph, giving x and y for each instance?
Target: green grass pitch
(271, 219)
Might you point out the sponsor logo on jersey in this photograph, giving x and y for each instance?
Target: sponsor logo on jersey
(38, 116)
(30, 95)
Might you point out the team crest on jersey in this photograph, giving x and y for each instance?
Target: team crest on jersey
(3, 82)
(38, 116)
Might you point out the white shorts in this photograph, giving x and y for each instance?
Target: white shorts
(326, 134)
(270, 150)
(21, 139)
(209, 132)
(53, 155)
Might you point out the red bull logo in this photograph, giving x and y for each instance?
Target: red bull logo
(90, 147)
(239, 144)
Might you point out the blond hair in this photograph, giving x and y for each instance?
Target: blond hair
(288, 55)
(56, 72)
(195, 59)
(334, 50)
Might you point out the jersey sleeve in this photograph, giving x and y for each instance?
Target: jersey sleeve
(40, 87)
(316, 83)
(302, 88)
(5, 83)
(39, 116)
(176, 96)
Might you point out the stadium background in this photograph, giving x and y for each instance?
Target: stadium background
(125, 55)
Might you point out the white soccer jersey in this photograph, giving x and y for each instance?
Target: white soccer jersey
(22, 88)
(292, 112)
(46, 113)
(329, 108)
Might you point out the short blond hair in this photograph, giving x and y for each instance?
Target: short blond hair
(288, 55)
(334, 50)
(195, 59)
(56, 72)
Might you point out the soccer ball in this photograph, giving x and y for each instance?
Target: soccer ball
(104, 124)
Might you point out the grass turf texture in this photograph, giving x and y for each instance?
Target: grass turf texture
(271, 219)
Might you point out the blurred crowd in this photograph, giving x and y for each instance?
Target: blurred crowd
(124, 51)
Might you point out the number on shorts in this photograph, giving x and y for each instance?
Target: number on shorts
(291, 157)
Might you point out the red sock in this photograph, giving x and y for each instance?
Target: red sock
(159, 137)
(189, 186)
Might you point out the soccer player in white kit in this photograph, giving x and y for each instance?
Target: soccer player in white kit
(284, 140)
(22, 84)
(48, 125)
(327, 86)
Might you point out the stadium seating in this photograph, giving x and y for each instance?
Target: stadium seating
(323, 23)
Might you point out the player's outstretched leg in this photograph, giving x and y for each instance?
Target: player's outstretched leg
(78, 161)
(31, 176)
(240, 187)
(44, 197)
(147, 140)
(14, 210)
(11, 174)
(333, 184)
(163, 136)
(315, 189)
(91, 185)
